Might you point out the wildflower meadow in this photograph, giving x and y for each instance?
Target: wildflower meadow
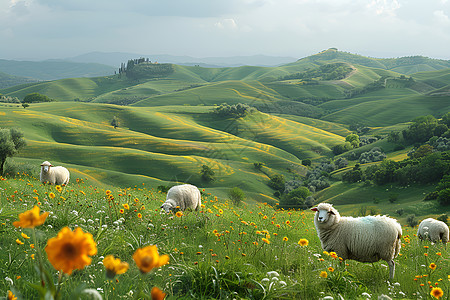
(89, 242)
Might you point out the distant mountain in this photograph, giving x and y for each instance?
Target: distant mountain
(7, 80)
(404, 65)
(116, 58)
(54, 69)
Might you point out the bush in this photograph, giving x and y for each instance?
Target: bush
(277, 182)
(306, 162)
(444, 197)
(36, 98)
(375, 154)
(412, 220)
(236, 195)
(207, 174)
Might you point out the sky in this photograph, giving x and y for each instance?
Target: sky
(57, 29)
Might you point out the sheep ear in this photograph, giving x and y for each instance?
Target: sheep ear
(331, 212)
(314, 209)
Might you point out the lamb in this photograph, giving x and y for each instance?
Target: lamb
(54, 175)
(364, 239)
(433, 230)
(184, 196)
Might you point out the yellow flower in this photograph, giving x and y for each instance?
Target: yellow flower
(108, 192)
(303, 242)
(24, 235)
(139, 215)
(70, 250)
(31, 218)
(437, 293)
(126, 206)
(285, 239)
(32, 256)
(331, 269)
(58, 188)
(432, 266)
(19, 242)
(265, 240)
(51, 195)
(148, 258)
(11, 296)
(221, 211)
(157, 294)
(32, 246)
(114, 266)
(288, 222)
(323, 274)
(333, 255)
(121, 211)
(179, 214)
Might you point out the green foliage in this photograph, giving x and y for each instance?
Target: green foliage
(422, 151)
(393, 197)
(412, 220)
(115, 122)
(236, 195)
(295, 199)
(443, 218)
(334, 71)
(353, 139)
(207, 174)
(306, 162)
(258, 165)
(421, 130)
(444, 197)
(355, 175)
(341, 148)
(375, 154)
(36, 98)
(143, 68)
(277, 182)
(11, 141)
(234, 111)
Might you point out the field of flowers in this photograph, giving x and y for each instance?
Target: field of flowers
(90, 242)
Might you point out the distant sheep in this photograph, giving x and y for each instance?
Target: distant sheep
(54, 175)
(364, 239)
(185, 196)
(433, 230)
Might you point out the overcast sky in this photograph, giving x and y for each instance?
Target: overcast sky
(43, 29)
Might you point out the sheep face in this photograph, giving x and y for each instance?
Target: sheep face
(167, 207)
(46, 166)
(325, 214)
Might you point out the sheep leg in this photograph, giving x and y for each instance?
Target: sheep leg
(391, 264)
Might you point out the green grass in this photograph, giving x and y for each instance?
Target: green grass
(218, 252)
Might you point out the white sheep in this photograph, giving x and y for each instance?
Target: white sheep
(433, 230)
(54, 175)
(364, 239)
(183, 196)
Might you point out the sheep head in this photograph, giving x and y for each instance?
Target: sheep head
(167, 206)
(45, 166)
(326, 214)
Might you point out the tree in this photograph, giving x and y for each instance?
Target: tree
(11, 141)
(353, 139)
(115, 122)
(207, 174)
(277, 182)
(236, 195)
(422, 151)
(296, 198)
(306, 162)
(25, 105)
(36, 98)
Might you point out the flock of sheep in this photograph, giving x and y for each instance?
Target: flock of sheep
(364, 239)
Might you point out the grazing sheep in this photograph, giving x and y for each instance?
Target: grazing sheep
(433, 230)
(54, 175)
(364, 239)
(183, 196)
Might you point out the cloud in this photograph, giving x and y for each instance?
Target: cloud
(226, 24)
(384, 7)
(441, 17)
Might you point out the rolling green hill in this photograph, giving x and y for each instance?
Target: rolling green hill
(167, 130)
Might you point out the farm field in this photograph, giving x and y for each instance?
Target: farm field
(224, 250)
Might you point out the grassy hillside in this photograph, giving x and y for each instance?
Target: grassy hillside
(168, 144)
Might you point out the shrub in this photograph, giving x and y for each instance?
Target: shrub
(277, 182)
(36, 98)
(236, 195)
(412, 220)
(375, 154)
(207, 174)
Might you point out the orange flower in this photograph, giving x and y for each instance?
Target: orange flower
(121, 211)
(126, 206)
(70, 250)
(11, 296)
(157, 294)
(179, 214)
(303, 242)
(265, 240)
(139, 215)
(148, 258)
(58, 188)
(31, 218)
(437, 293)
(432, 266)
(19, 242)
(285, 239)
(323, 274)
(24, 235)
(114, 266)
(51, 195)
(330, 269)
